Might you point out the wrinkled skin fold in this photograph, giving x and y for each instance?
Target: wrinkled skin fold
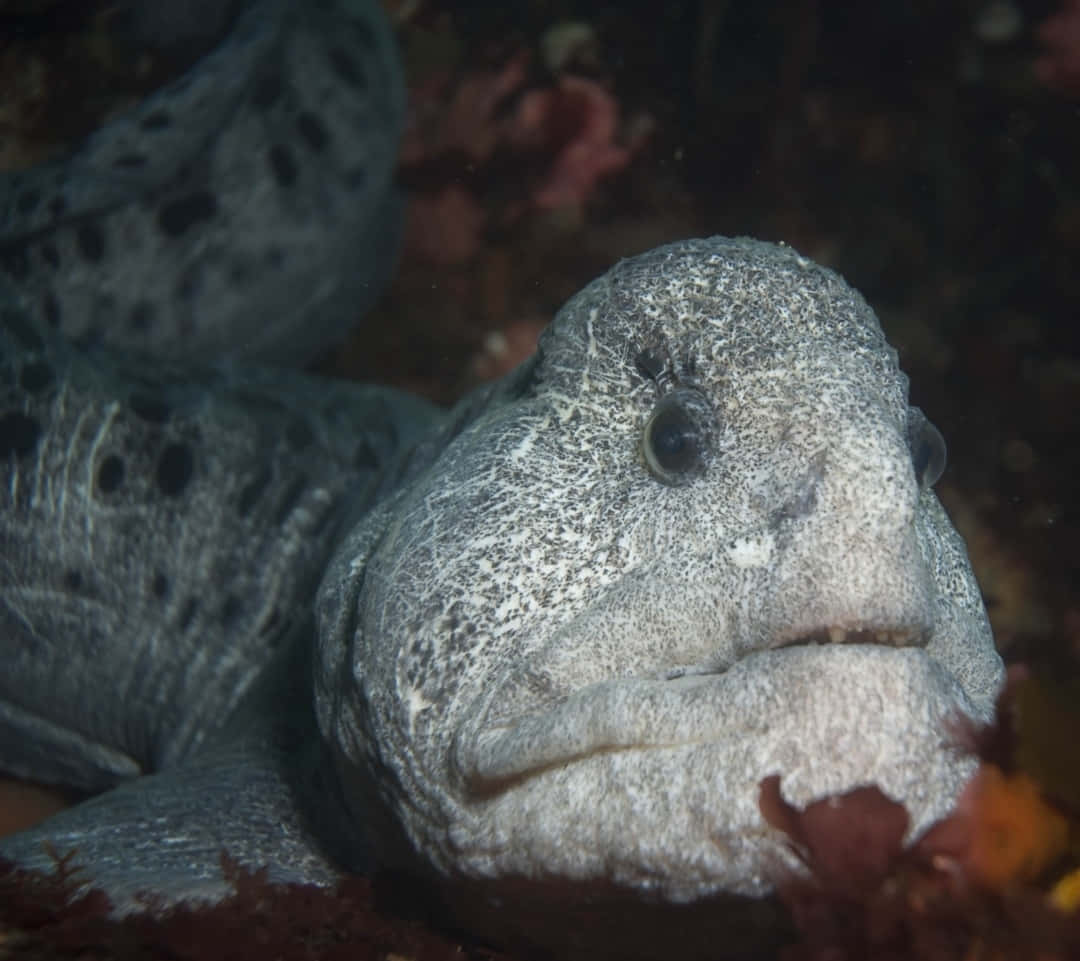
(555, 641)
(538, 652)
(550, 657)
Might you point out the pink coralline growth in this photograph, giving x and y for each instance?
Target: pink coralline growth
(579, 120)
(466, 122)
(487, 150)
(1059, 65)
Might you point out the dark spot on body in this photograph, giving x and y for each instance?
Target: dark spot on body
(159, 584)
(179, 215)
(28, 201)
(252, 491)
(142, 315)
(16, 323)
(388, 431)
(346, 67)
(356, 178)
(50, 307)
(298, 433)
(363, 33)
(290, 499)
(268, 90)
(313, 130)
(72, 579)
(110, 474)
(282, 165)
(187, 615)
(174, 469)
(230, 610)
(239, 273)
(187, 287)
(57, 207)
(19, 434)
(89, 339)
(90, 239)
(36, 376)
(13, 259)
(103, 313)
(50, 255)
(275, 257)
(149, 408)
(365, 457)
(156, 120)
(130, 161)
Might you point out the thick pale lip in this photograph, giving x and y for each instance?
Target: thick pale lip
(681, 708)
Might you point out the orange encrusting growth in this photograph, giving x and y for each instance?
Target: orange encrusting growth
(1066, 893)
(1015, 834)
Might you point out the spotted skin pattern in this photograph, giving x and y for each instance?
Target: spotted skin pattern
(556, 636)
(245, 210)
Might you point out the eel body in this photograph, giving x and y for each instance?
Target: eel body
(544, 646)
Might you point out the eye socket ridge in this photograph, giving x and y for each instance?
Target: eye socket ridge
(675, 438)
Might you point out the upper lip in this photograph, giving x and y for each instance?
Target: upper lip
(676, 707)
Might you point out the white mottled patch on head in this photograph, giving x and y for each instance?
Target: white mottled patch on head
(520, 453)
(591, 350)
(416, 702)
(751, 551)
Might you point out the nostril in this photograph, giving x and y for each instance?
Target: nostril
(803, 497)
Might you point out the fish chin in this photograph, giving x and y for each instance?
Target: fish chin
(653, 784)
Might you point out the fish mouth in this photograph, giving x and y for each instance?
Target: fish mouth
(679, 707)
(883, 636)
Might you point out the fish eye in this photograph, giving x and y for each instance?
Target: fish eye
(673, 440)
(927, 448)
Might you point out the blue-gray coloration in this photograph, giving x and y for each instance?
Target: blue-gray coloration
(245, 210)
(559, 635)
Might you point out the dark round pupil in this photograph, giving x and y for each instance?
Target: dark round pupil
(672, 440)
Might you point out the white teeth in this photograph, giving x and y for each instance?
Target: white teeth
(885, 636)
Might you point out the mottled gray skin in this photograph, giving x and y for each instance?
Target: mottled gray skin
(538, 659)
(547, 662)
(244, 210)
(539, 651)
